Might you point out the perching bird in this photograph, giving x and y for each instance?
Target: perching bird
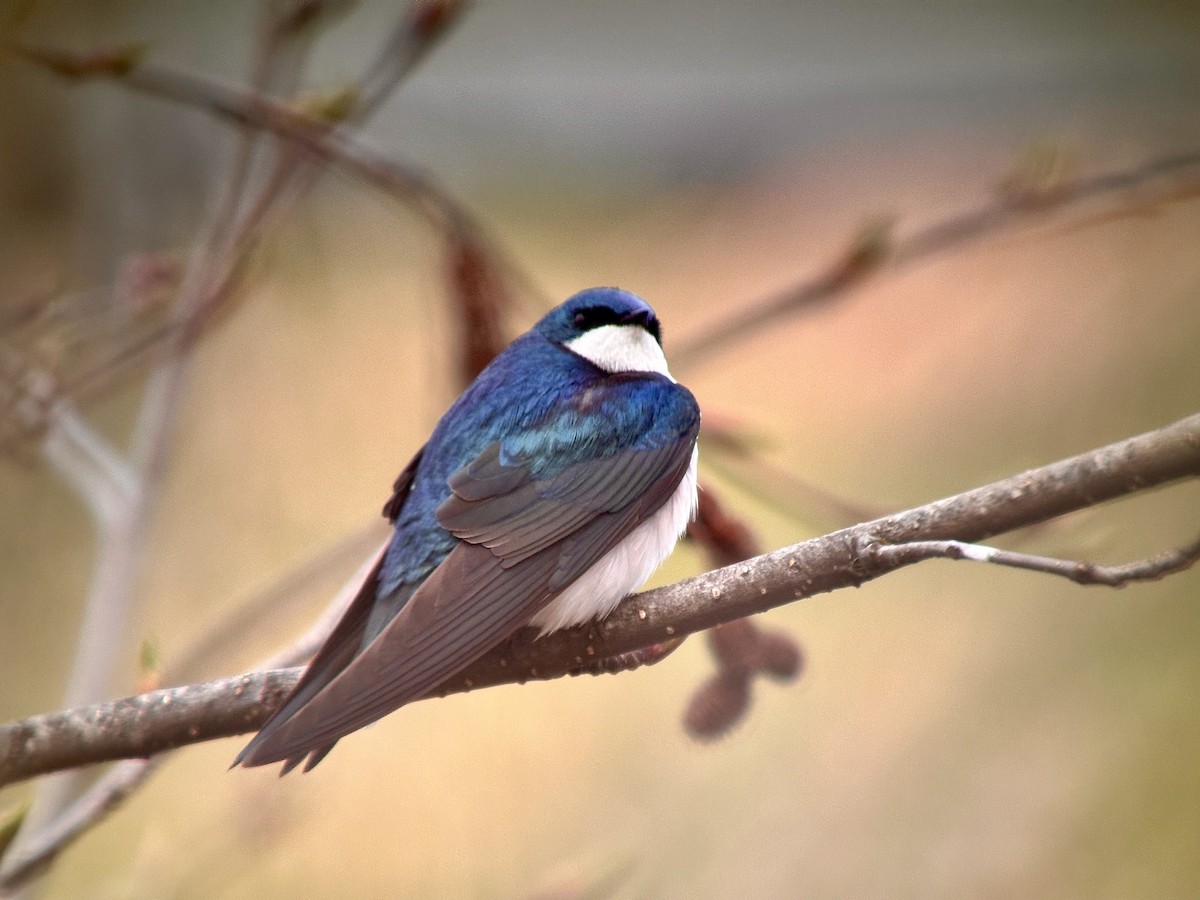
(552, 488)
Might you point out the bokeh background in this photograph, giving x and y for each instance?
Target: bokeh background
(959, 730)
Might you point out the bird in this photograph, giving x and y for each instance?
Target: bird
(552, 488)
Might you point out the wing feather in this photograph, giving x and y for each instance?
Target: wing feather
(355, 629)
(526, 531)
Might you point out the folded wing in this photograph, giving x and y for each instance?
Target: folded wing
(530, 521)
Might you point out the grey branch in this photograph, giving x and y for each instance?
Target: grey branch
(1152, 569)
(151, 723)
(40, 848)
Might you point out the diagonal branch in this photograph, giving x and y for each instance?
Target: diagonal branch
(875, 250)
(315, 133)
(319, 134)
(162, 720)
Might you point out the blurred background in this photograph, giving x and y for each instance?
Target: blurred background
(959, 730)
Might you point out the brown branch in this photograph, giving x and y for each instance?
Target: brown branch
(211, 278)
(743, 652)
(743, 465)
(411, 39)
(875, 250)
(162, 720)
(742, 649)
(313, 132)
(479, 299)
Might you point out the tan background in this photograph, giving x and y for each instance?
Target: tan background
(959, 731)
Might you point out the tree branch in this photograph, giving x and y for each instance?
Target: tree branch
(39, 848)
(209, 280)
(311, 130)
(162, 720)
(875, 250)
(1085, 573)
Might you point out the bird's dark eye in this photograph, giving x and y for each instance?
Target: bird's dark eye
(655, 329)
(594, 316)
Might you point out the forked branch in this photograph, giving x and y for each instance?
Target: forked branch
(162, 720)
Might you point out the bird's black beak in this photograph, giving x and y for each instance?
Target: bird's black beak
(646, 319)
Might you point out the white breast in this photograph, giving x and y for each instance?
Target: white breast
(621, 571)
(621, 348)
(626, 566)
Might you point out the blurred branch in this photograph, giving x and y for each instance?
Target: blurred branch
(123, 515)
(480, 300)
(248, 616)
(207, 281)
(875, 249)
(313, 129)
(40, 848)
(413, 36)
(742, 649)
(743, 652)
(38, 851)
(89, 464)
(739, 458)
(162, 720)
(726, 538)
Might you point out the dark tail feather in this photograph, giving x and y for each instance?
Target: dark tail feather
(335, 654)
(313, 758)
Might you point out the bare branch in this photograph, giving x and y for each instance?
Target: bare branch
(38, 850)
(162, 720)
(89, 464)
(1152, 569)
(208, 283)
(316, 134)
(413, 36)
(312, 131)
(742, 464)
(251, 615)
(875, 250)
(742, 649)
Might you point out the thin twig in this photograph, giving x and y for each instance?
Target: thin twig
(785, 492)
(309, 642)
(318, 136)
(1085, 573)
(315, 135)
(249, 615)
(875, 251)
(411, 39)
(123, 535)
(36, 853)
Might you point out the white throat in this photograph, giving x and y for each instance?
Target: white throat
(621, 348)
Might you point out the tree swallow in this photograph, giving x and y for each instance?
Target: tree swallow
(551, 489)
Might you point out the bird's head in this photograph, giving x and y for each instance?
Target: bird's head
(614, 329)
